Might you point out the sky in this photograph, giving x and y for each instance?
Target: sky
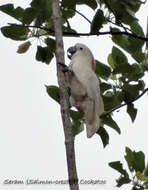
(31, 133)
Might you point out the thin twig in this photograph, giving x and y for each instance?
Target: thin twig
(122, 105)
(82, 15)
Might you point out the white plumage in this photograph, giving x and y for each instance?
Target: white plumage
(84, 86)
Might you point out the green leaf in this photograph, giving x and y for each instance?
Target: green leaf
(130, 44)
(77, 123)
(111, 61)
(135, 72)
(141, 85)
(139, 56)
(43, 11)
(29, 15)
(123, 180)
(129, 17)
(124, 10)
(76, 115)
(135, 160)
(129, 157)
(53, 92)
(120, 61)
(72, 3)
(132, 111)
(67, 13)
(117, 165)
(44, 54)
(137, 29)
(144, 65)
(44, 5)
(134, 5)
(51, 44)
(69, 4)
(118, 56)
(77, 127)
(9, 9)
(15, 32)
(135, 188)
(102, 70)
(107, 120)
(136, 44)
(37, 4)
(130, 91)
(97, 22)
(139, 162)
(112, 100)
(105, 86)
(146, 171)
(121, 40)
(104, 136)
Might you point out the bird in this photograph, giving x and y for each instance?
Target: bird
(84, 86)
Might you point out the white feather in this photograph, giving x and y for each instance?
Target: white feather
(84, 83)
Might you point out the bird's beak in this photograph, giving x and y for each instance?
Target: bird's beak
(72, 50)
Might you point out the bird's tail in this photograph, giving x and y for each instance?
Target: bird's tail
(93, 127)
(91, 118)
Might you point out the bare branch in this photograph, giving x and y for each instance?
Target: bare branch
(82, 15)
(72, 34)
(64, 98)
(122, 105)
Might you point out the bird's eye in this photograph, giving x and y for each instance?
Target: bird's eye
(81, 48)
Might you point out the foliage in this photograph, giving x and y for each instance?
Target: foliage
(137, 168)
(120, 81)
(15, 32)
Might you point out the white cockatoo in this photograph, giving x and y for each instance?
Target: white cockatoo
(84, 86)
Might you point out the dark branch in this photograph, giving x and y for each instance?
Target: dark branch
(72, 34)
(122, 105)
(82, 16)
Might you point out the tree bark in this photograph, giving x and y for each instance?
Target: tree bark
(64, 98)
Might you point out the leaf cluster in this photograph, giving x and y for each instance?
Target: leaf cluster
(137, 169)
(124, 11)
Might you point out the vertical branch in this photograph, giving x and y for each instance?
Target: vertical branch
(64, 98)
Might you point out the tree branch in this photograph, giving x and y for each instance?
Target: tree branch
(72, 34)
(116, 108)
(82, 15)
(64, 98)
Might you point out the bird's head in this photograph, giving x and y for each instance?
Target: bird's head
(81, 50)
